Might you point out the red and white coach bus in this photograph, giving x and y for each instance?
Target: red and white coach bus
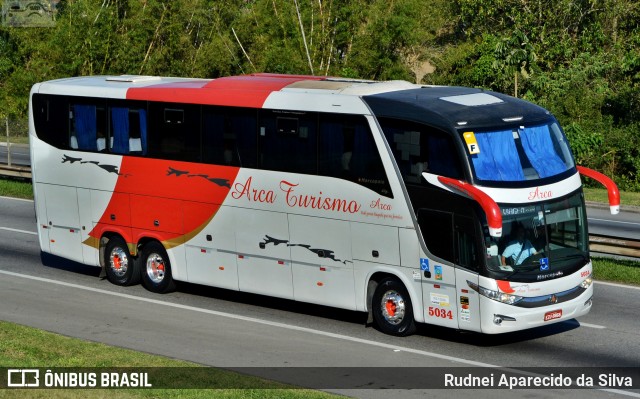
(443, 205)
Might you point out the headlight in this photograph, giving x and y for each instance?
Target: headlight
(586, 283)
(495, 295)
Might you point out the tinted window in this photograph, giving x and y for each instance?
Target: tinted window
(466, 248)
(437, 231)
(347, 150)
(90, 124)
(340, 146)
(174, 131)
(420, 148)
(288, 141)
(229, 136)
(50, 114)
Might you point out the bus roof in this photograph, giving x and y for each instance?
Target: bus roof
(438, 105)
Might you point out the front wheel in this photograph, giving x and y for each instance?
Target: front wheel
(156, 268)
(392, 310)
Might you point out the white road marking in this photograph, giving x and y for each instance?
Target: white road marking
(251, 319)
(16, 199)
(596, 326)
(294, 328)
(613, 221)
(633, 287)
(19, 231)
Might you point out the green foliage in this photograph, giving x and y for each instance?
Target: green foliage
(578, 59)
(17, 188)
(623, 271)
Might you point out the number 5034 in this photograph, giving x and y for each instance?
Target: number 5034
(441, 313)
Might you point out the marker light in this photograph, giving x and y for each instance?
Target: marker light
(495, 295)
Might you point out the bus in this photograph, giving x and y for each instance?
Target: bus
(450, 206)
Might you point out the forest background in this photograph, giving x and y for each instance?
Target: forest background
(578, 58)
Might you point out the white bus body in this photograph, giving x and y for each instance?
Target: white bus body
(294, 187)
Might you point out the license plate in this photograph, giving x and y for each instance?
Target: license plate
(554, 314)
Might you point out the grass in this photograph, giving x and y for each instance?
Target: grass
(15, 139)
(621, 271)
(26, 347)
(17, 188)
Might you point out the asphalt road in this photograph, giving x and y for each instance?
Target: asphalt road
(19, 154)
(626, 224)
(229, 329)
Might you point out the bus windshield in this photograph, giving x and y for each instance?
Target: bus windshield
(541, 241)
(518, 154)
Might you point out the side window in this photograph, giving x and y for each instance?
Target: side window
(229, 136)
(437, 231)
(51, 119)
(420, 148)
(127, 129)
(174, 131)
(288, 141)
(347, 150)
(87, 123)
(465, 243)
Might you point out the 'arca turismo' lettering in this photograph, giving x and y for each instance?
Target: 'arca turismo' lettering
(295, 200)
(539, 194)
(251, 194)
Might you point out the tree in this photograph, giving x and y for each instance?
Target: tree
(516, 55)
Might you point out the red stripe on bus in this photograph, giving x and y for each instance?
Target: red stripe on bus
(235, 91)
(156, 203)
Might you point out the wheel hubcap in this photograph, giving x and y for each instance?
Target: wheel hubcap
(155, 268)
(393, 308)
(119, 261)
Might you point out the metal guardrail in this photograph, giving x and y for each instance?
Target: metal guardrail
(597, 242)
(614, 245)
(15, 171)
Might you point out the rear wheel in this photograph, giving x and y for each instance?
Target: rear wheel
(392, 309)
(156, 268)
(120, 266)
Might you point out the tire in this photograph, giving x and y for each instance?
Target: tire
(120, 266)
(392, 309)
(156, 268)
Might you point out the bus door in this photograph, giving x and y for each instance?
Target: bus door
(63, 221)
(439, 294)
(467, 259)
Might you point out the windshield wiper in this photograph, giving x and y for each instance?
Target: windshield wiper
(521, 268)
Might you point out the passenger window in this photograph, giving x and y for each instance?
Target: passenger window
(348, 151)
(420, 148)
(174, 131)
(51, 119)
(230, 136)
(288, 141)
(86, 126)
(127, 129)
